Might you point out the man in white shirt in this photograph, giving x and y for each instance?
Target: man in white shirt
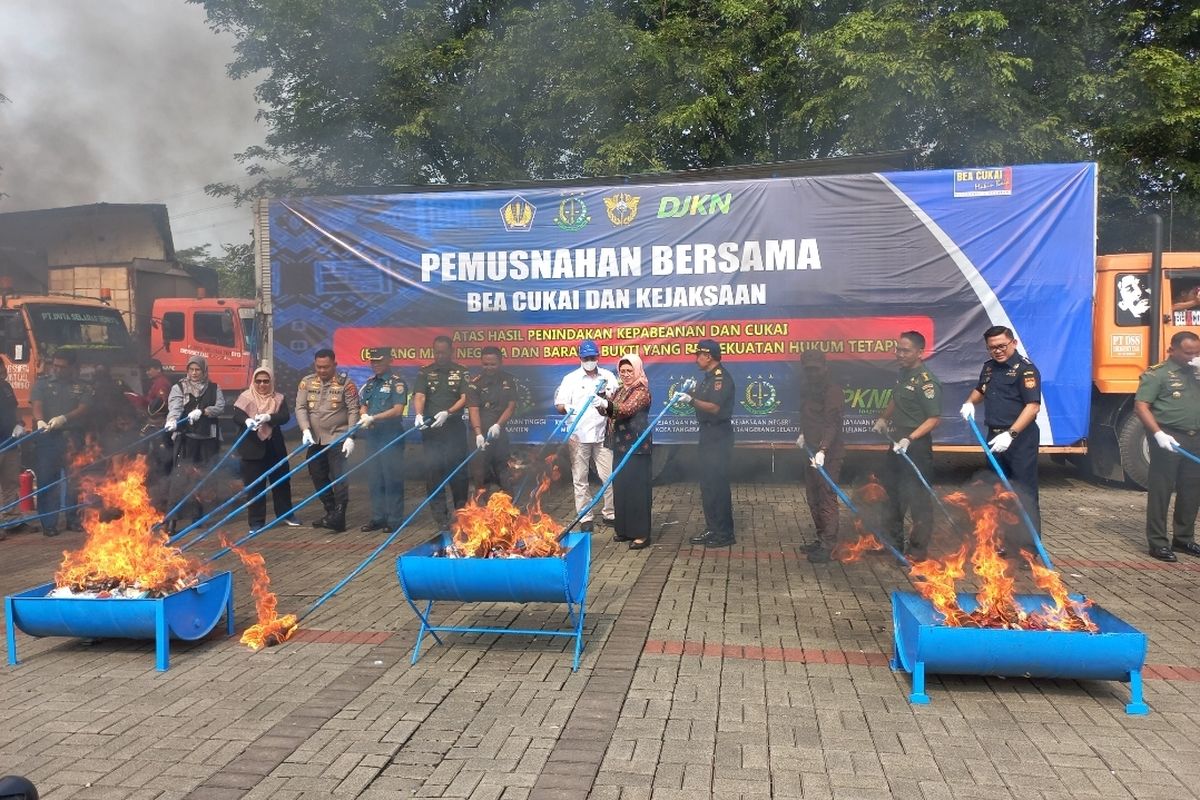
(574, 396)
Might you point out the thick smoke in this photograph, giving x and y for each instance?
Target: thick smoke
(123, 101)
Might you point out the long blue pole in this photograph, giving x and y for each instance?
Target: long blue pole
(1187, 455)
(542, 452)
(170, 514)
(9, 523)
(924, 482)
(16, 440)
(853, 509)
(1037, 540)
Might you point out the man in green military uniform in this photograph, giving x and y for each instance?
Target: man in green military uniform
(59, 403)
(491, 401)
(439, 397)
(913, 412)
(1168, 404)
(326, 407)
(383, 400)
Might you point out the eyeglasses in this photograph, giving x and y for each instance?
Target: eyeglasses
(258, 380)
(999, 348)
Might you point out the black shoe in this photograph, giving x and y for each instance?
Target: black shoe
(637, 544)
(50, 531)
(337, 520)
(810, 547)
(21, 526)
(619, 538)
(323, 522)
(586, 527)
(701, 538)
(1163, 554)
(718, 540)
(820, 555)
(373, 525)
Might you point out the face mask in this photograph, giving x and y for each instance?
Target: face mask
(589, 364)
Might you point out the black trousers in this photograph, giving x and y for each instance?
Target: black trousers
(445, 449)
(906, 494)
(716, 451)
(632, 497)
(491, 465)
(822, 500)
(1019, 463)
(328, 466)
(281, 496)
(1171, 473)
(193, 458)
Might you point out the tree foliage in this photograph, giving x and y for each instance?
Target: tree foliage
(379, 92)
(234, 267)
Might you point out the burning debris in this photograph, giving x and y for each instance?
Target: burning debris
(271, 629)
(499, 529)
(124, 555)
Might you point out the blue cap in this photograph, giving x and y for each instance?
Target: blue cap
(588, 349)
(709, 346)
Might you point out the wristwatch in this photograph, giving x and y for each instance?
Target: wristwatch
(1013, 432)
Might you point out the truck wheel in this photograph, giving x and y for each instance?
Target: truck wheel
(1135, 450)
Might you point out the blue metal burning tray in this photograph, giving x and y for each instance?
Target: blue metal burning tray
(923, 644)
(560, 579)
(186, 615)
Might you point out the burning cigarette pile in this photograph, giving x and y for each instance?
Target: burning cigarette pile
(271, 629)
(123, 556)
(500, 530)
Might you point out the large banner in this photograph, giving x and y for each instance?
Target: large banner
(768, 267)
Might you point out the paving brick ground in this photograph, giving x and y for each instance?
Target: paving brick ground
(745, 672)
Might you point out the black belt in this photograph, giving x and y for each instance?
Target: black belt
(1184, 431)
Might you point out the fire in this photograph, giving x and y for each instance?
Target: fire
(123, 550)
(996, 597)
(271, 629)
(499, 529)
(88, 454)
(847, 552)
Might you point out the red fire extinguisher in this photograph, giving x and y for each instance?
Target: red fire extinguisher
(26, 487)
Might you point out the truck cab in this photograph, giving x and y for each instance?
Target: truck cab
(1128, 337)
(222, 330)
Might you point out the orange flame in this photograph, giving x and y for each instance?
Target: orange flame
(848, 552)
(86, 455)
(500, 529)
(123, 550)
(271, 629)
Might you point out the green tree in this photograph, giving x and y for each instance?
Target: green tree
(234, 267)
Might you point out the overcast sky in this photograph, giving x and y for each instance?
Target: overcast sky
(122, 101)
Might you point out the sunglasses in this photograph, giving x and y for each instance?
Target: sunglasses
(260, 380)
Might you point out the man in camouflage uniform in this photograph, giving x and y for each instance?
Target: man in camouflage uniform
(912, 414)
(384, 398)
(439, 397)
(327, 406)
(491, 401)
(60, 403)
(1168, 404)
(713, 401)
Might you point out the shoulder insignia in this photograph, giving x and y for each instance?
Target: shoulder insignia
(340, 378)
(1030, 380)
(718, 372)
(929, 390)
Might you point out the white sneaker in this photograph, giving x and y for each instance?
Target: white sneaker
(291, 523)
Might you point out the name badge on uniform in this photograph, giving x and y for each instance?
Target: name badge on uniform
(385, 389)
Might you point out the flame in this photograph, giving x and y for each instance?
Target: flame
(123, 548)
(271, 629)
(498, 528)
(85, 455)
(996, 597)
(848, 552)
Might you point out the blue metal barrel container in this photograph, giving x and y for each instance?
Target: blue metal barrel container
(924, 644)
(187, 615)
(558, 579)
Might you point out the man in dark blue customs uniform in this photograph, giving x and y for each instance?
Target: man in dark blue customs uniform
(60, 403)
(491, 401)
(1010, 387)
(439, 397)
(381, 414)
(713, 401)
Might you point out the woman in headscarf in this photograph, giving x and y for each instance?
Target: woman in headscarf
(193, 409)
(265, 411)
(627, 411)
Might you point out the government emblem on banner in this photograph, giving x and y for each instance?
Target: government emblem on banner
(572, 214)
(622, 208)
(517, 214)
(760, 397)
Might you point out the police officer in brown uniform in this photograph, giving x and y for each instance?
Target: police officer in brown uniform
(327, 405)
(491, 401)
(439, 397)
(822, 407)
(1168, 404)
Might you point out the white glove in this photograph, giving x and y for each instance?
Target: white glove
(1195, 362)
(1001, 443)
(347, 447)
(194, 415)
(1166, 441)
(365, 420)
(688, 385)
(252, 423)
(800, 441)
(600, 404)
(57, 422)
(41, 425)
(263, 419)
(493, 431)
(306, 438)
(419, 421)
(18, 430)
(480, 442)
(880, 426)
(819, 459)
(169, 427)
(684, 397)
(901, 447)
(439, 419)
(967, 411)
